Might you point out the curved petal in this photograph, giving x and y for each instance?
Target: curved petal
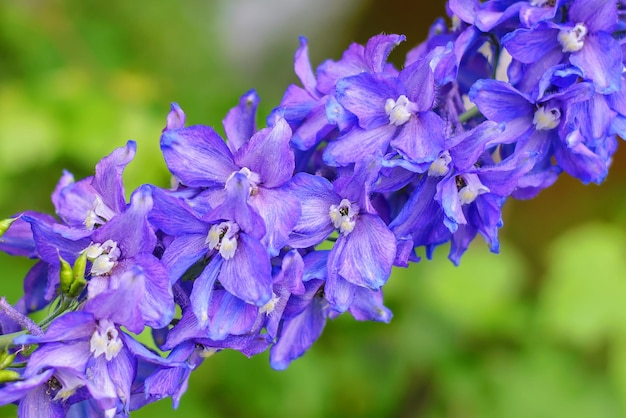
(197, 156)
(73, 355)
(269, 155)
(280, 211)
(448, 197)
(229, 315)
(358, 144)
(365, 96)
(368, 306)
(596, 14)
(378, 49)
(601, 61)
(236, 207)
(131, 229)
(73, 200)
(368, 254)
(239, 123)
(173, 216)
(499, 101)
(530, 45)
(247, 274)
(303, 70)
(315, 194)
(203, 289)
(68, 327)
(420, 84)
(182, 253)
(108, 178)
(421, 139)
(157, 303)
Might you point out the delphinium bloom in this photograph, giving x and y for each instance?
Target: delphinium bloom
(311, 110)
(462, 193)
(365, 248)
(550, 126)
(264, 237)
(583, 39)
(121, 265)
(227, 252)
(199, 158)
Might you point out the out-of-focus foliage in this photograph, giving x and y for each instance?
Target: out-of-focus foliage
(537, 331)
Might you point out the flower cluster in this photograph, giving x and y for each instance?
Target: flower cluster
(266, 234)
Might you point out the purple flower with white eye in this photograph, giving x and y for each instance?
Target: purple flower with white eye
(462, 193)
(365, 248)
(230, 254)
(122, 266)
(306, 108)
(198, 157)
(549, 126)
(38, 395)
(584, 40)
(502, 15)
(392, 111)
(89, 203)
(85, 352)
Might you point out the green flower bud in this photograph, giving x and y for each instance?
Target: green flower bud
(9, 376)
(78, 275)
(77, 286)
(5, 224)
(66, 275)
(6, 359)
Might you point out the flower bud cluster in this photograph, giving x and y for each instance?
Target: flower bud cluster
(368, 159)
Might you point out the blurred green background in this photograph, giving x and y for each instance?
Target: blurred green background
(537, 331)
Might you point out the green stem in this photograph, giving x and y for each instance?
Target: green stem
(467, 115)
(6, 340)
(60, 310)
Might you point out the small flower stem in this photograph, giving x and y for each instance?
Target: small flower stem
(469, 114)
(20, 318)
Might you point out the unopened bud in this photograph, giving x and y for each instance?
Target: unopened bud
(5, 224)
(78, 271)
(9, 376)
(6, 359)
(66, 275)
(77, 286)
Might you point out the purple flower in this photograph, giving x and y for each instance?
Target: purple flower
(584, 40)
(198, 157)
(228, 253)
(549, 126)
(365, 247)
(89, 203)
(86, 352)
(392, 111)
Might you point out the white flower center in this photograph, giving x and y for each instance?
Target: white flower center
(270, 306)
(573, 40)
(103, 257)
(66, 382)
(98, 214)
(542, 3)
(398, 110)
(223, 237)
(546, 119)
(440, 166)
(105, 340)
(470, 188)
(344, 216)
